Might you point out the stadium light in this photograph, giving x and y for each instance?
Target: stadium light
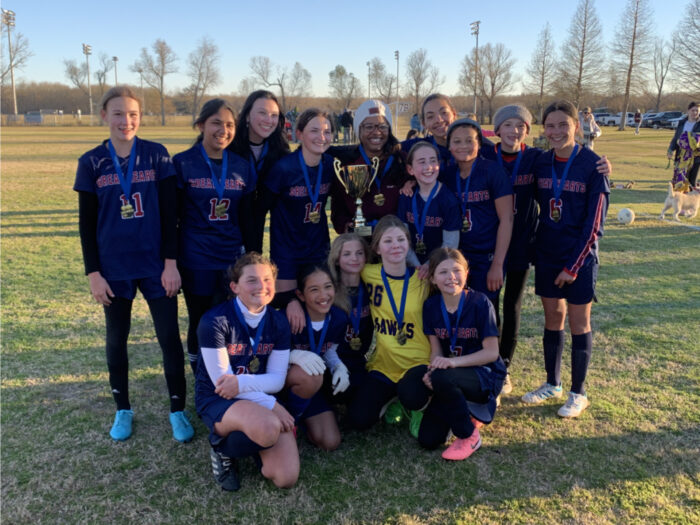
(396, 125)
(87, 50)
(475, 31)
(115, 59)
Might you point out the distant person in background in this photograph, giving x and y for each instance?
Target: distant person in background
(415, 124)
(346, 123)
(637, 121)
(588, 128)
(685, 146)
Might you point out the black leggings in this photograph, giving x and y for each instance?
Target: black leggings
(373, 393)
(512, 303)
(197, 306)
(452, 388)
(118, 320)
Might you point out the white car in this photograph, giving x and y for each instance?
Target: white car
(674, 121)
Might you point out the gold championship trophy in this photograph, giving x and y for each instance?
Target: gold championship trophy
(356, 181)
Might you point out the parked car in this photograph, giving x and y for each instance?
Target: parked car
(662, 120)
(614, 120)
(601, 118)
(674, 121)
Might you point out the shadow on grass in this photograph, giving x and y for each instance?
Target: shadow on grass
(25, 213)
(43, 234)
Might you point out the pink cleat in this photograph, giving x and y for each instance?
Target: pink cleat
(463, 448)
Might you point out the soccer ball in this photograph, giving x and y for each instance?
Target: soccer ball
(625, 216)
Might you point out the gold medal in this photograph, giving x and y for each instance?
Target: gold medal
(220, 209)
(379, 199)
(127, 211)
(254, 365)
(420, 248)
(466, 225)
(314, 217)
(401, 337)
(556, 215)
(355, 343)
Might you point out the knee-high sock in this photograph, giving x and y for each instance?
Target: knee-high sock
(553, 344)
(581, 350)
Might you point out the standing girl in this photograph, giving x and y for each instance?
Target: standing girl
(437, 113)
(314, 350)
(348, 256)
(465, 372)
(243, 360)
(300, 183)
(212, 180)
(573, 200)
(261, 140)
(396, 296)
(485, 196)
(684, 146)
(127, 217)
(432, 213)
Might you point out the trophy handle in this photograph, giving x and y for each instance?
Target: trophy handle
(338, 167)
(375, 169)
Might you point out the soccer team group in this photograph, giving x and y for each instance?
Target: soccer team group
(400, 319)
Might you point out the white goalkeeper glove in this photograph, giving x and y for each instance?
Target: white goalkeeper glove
(341, 379)
(308, 361)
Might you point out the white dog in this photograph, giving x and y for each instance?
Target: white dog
(686, 203)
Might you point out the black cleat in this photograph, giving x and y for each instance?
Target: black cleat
(225, 471)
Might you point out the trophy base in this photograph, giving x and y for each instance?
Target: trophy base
(363, 231)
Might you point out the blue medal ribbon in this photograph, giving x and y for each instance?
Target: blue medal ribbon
(398, 314)
(414, 204)
(387, 167)
(255, 167)
(558, 187)
(516, 167)
(463, 193)
(356, 314)
(219, 182)
(316, 349)
(124, 180)
(313, 193)
(255, 341)
(446, 318)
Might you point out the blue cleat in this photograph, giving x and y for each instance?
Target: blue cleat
(182, 429)
(121, 429)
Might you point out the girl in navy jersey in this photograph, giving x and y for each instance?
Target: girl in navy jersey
(212, 180)
(437, 113)
(243, 359)
(127, 217)
(348, 256)
(373, 126)
(300, 183)
(315, 350)
(465, 372)
(573, 200)
(486, 202)
(432, 213)
(261, 140)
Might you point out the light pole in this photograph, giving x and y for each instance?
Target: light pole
(87, 50)
(369, 93)
(396, 124)
(115, 59)
(8, 18)
(475, 31)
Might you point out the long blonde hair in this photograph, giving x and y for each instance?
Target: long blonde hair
(342, 299)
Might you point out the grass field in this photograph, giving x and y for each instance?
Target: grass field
(633, 457)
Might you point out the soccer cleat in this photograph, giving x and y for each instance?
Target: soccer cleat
(224, 470)
(542, 394)
(121, 429)
(573, 407)
(182, 429)
(414, 425)
(394, 413)
(507, 385)
(462, 448)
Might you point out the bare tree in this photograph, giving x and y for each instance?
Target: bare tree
(246, 86)
(155, 68)
(664, 53)
(296, 82)
(77, 74)
(104, 66)
(380, 80)
(495, 73)
(581, 58)
(631, 47)
(344, 86)
(686, 37)
(468, 81)
(541, 67)
(422, 76)
(20, 54)
(203, 70)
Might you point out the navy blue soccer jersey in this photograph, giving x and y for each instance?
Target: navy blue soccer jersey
(293, 233)
(488, 183)
(335, 334)
(221, 328)
(366, 325)
(524, 204)
(128, 247)
(442, 215)
(210, 238)
(569, 226)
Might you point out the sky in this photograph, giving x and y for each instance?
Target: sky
(319, 35)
